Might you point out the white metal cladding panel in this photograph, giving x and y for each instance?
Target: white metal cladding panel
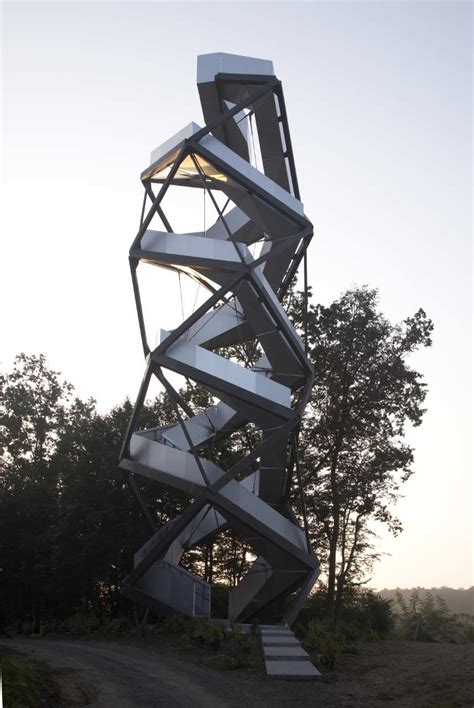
(196, 247)
(146, 548)
(205, 523)
(263, 282)
(198, 428)
(170, 461)
(235, 220)
(201, 426)
(229, 371)
(212, 324)
(202, 600)
(174, 142)
(174, 552)
(247, 170)
(175, 587)
(249, 586)
(156, 584)
(256, 507)
(208, 65)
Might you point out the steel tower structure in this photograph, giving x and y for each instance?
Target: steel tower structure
(243, 105)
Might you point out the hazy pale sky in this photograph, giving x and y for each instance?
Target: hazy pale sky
(379, 103)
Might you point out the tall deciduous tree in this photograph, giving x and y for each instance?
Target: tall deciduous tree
(354, 455)
(33, 402)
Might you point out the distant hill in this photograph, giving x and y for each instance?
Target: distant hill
(459, 601)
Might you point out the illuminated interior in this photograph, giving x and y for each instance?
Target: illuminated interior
(186, 171)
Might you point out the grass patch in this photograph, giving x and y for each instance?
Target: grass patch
(26, 682)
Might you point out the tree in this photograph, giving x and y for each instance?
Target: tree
(354, 457)
(33, 402)
(69, 525)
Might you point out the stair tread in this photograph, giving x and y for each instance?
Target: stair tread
(285, 651)
(274, 626)
(293, 669)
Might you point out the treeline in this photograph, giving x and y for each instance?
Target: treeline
(69, 525)
(458, 600)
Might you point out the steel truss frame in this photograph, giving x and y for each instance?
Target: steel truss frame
(280, 421)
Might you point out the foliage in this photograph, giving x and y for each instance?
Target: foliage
(80, 623)
(175, 622)
(427, 618)
(203, 633)
(229, 641)
(220, 600)
(70, 526)
(118, 625)
(26, 682)
(237, 648)
(459, 600)
(32, 407)
(323, 640)
(354, 457)
(466, 627)
(364, 615)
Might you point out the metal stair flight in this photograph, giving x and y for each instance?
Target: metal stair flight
(241, 99)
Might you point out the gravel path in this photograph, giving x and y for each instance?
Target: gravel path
(107, 675)
(384, 673)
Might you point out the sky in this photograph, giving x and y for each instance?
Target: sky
(379, 100)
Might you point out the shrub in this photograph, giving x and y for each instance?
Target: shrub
(48, 627)
(327, 643)
(27, 627)
(254, 625)
(117, 625)
(204, 634)
(466, 627)
(364, 614)
(428, 618)
(236, 648)
(176, 623)
(11, 630)
(80, 623)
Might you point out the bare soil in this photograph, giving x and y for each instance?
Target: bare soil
(406, 675)
(159, 671)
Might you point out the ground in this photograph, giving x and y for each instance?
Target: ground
(153, 671)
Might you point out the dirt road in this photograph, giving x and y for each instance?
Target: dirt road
(110, 674)
(107, 675)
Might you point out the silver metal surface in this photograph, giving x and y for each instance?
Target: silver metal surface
(247, 259)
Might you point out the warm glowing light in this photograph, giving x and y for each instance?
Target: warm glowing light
(187, 170)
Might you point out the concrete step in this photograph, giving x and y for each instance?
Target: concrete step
(285, 652)
(297, 670)
(274, 628)
(284, 656)
(279, 641)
